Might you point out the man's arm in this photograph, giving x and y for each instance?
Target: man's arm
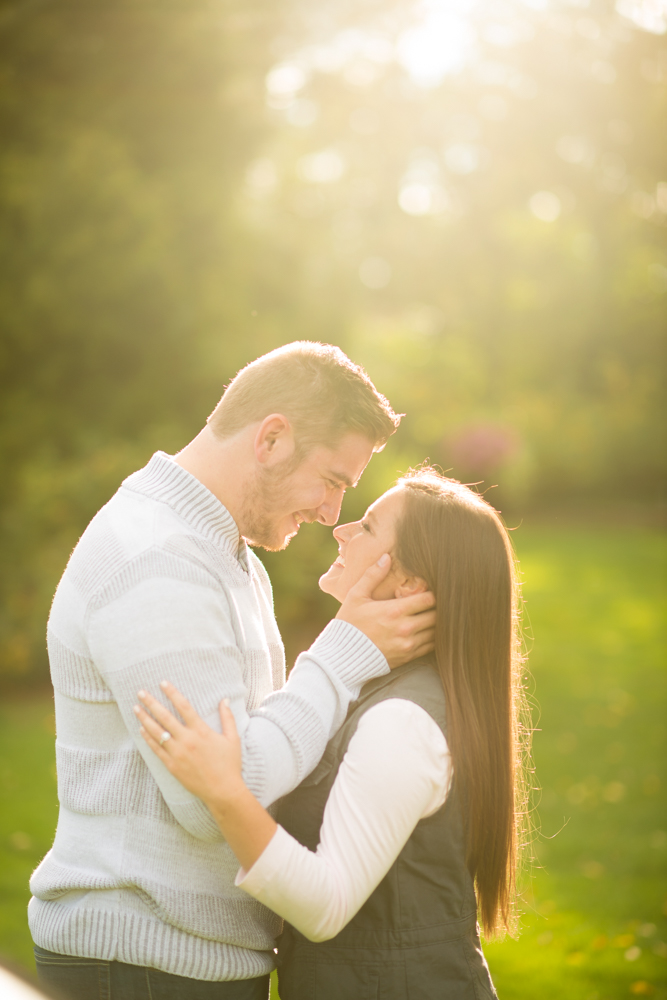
(169, 629)
(163, 627)
(364, 641)
(286, 736)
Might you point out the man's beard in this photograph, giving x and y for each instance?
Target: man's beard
(259, 520)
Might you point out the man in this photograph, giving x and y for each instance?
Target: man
(136, 899)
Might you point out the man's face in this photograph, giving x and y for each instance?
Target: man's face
(313, 491)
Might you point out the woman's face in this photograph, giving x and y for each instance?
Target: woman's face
(361, 543)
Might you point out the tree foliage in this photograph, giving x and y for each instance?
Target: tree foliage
(471, 199)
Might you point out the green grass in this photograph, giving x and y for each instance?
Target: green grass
(594, 926)
(28, 816)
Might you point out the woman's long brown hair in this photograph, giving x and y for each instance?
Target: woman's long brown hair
(454, 540)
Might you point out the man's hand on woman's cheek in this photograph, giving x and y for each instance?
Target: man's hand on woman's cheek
(403, 629)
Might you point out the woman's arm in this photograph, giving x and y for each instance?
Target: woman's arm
(396, 771)
(209, 765)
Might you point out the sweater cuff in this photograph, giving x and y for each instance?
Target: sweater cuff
(350, 655)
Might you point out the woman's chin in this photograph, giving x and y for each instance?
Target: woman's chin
(329, 583)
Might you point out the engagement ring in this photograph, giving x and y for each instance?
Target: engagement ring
(165, 736)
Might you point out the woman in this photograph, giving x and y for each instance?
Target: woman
(408, 827)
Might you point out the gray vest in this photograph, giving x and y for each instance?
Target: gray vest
(416, 936)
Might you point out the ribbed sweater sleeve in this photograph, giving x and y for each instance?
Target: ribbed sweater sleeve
(168, 629)
(286, 736)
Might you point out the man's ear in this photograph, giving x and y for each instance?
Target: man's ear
(411, 585)
(274, 440)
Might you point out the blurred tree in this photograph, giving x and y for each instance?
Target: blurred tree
(125, 131)
(471, 200)
(494, 219)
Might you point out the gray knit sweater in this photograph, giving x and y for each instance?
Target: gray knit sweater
(161, 586)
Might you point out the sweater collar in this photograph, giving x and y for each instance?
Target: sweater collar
(167, 482)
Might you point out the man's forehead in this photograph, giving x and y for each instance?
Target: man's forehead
(347, 460)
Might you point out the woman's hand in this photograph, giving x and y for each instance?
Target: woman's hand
(206, 762)
(209, 765)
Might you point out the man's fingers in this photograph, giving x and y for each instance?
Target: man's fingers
(372, 578)
(228, 721)
(424, 620)
(181, 704)
(424, 639)
(166, 718)
(415, 603)
(424, 635)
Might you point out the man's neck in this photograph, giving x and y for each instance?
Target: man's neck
(221, 465)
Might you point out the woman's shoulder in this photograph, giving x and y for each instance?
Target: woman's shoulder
(397, 714)
(418, 682)
(398, 737)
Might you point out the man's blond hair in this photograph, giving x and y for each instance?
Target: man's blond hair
(316, 387)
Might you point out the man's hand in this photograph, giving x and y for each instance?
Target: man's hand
(403, 628)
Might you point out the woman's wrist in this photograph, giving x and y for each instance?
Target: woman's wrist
(247, 827)
(230, 799)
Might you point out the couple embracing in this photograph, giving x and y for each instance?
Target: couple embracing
(349, 824)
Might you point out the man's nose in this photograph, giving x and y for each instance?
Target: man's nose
(329, 511)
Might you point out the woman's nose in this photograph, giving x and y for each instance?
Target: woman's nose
(344, 532)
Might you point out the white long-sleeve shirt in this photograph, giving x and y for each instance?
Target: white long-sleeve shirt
(397, 770)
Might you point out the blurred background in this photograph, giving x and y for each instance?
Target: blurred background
(470, 198)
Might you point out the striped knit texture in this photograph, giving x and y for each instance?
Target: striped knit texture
(161, 586)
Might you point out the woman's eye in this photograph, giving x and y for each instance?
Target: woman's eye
(366, 526)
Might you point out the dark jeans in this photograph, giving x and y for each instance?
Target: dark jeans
(94, 979)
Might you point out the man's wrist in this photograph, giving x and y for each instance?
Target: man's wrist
(348, 653)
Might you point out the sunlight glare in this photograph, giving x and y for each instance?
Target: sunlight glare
(441, 45)
(285, 80)
(325, 167)
(461, 158)
(651, 15)
(416, 198)
(302, 113)
(545, 206)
